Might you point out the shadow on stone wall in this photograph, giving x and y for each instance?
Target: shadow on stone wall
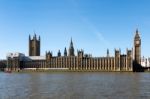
(137, 67)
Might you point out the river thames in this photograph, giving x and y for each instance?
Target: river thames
(75, 85)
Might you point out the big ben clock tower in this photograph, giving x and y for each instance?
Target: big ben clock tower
(137, 48)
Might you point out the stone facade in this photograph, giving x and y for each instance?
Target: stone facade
(86, 62)
(34, 46)
(137, 48)
(79, 62)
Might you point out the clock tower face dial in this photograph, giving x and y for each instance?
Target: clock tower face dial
(137, 42)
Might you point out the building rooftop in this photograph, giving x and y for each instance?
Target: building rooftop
(35, 58)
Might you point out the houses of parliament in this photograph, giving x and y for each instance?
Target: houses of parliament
(70, 61)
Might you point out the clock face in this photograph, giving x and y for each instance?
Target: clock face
(137, 42)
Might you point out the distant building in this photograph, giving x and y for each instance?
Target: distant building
(70, 61)
(145, 62)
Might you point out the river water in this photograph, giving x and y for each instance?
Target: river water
(75, 85)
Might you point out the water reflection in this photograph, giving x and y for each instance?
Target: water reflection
(75, 85)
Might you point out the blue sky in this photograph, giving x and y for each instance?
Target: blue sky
(94, 25)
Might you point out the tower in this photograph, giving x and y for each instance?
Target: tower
(49, 56)
(80, 53)
(34, 46)
(129, 61)
(65, 52)
(71, 49)
(137, 48)
(117, 59)
(59, 53)
(107, 52)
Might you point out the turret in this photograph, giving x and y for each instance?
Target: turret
(49, 55)
(29, 37)
(39, 38)
(117, 59)
(129, 60)
(107, 52)
(80, 53)
(65, 52)
(129, 53)
(59, 53)
(34, 37)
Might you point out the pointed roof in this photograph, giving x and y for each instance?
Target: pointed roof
(137, 34)
(29, 37)
(71, 43)
(58, 51)
(34, 34)
(34, 37)
(71, 48)
(107, 52)
(65, 50)
(39, 38)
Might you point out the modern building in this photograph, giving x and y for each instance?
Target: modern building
(73, 62)
(145, 62)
